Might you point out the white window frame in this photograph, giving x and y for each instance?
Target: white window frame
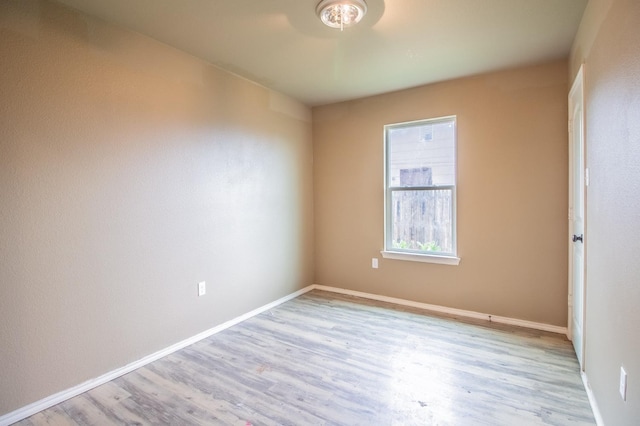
(389, 252)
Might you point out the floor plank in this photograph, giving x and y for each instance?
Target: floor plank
(328, 359)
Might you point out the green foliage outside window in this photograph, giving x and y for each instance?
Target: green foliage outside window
(417, 245)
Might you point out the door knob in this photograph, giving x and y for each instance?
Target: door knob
(577, 238)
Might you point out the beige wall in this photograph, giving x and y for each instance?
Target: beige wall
(512, 194)
(609, 44)
(130, 171)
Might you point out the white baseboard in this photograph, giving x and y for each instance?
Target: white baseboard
(50, 401)
(31, 409)
(446, 310)
(592, 399)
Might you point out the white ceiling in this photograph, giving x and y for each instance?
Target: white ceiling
(282, 45)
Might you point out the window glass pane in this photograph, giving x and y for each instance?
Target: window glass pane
(422, 220)
(421, 154)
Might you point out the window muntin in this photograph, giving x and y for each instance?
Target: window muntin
(420, 180)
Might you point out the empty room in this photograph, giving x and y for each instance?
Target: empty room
(320, 212)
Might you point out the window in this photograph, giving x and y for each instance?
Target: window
(420, 194)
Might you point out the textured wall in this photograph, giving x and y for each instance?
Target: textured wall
(609, 44)
(130, 171)
(512, 194)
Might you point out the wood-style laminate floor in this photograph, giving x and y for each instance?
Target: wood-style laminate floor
(328, 359)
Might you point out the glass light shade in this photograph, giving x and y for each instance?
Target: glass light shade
(341, 13)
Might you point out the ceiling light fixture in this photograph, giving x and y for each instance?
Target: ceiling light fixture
(341, 13)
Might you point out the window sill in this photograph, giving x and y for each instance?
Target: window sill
(426, 258)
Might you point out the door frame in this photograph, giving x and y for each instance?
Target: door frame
(577, 90)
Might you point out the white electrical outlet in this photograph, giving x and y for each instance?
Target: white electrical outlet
(623, 384)
(374, 263)
(202, 288)
(586, 176)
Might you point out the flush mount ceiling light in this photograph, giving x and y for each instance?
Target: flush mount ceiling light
(341, 13)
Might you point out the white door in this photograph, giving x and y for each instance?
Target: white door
(576, 218)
